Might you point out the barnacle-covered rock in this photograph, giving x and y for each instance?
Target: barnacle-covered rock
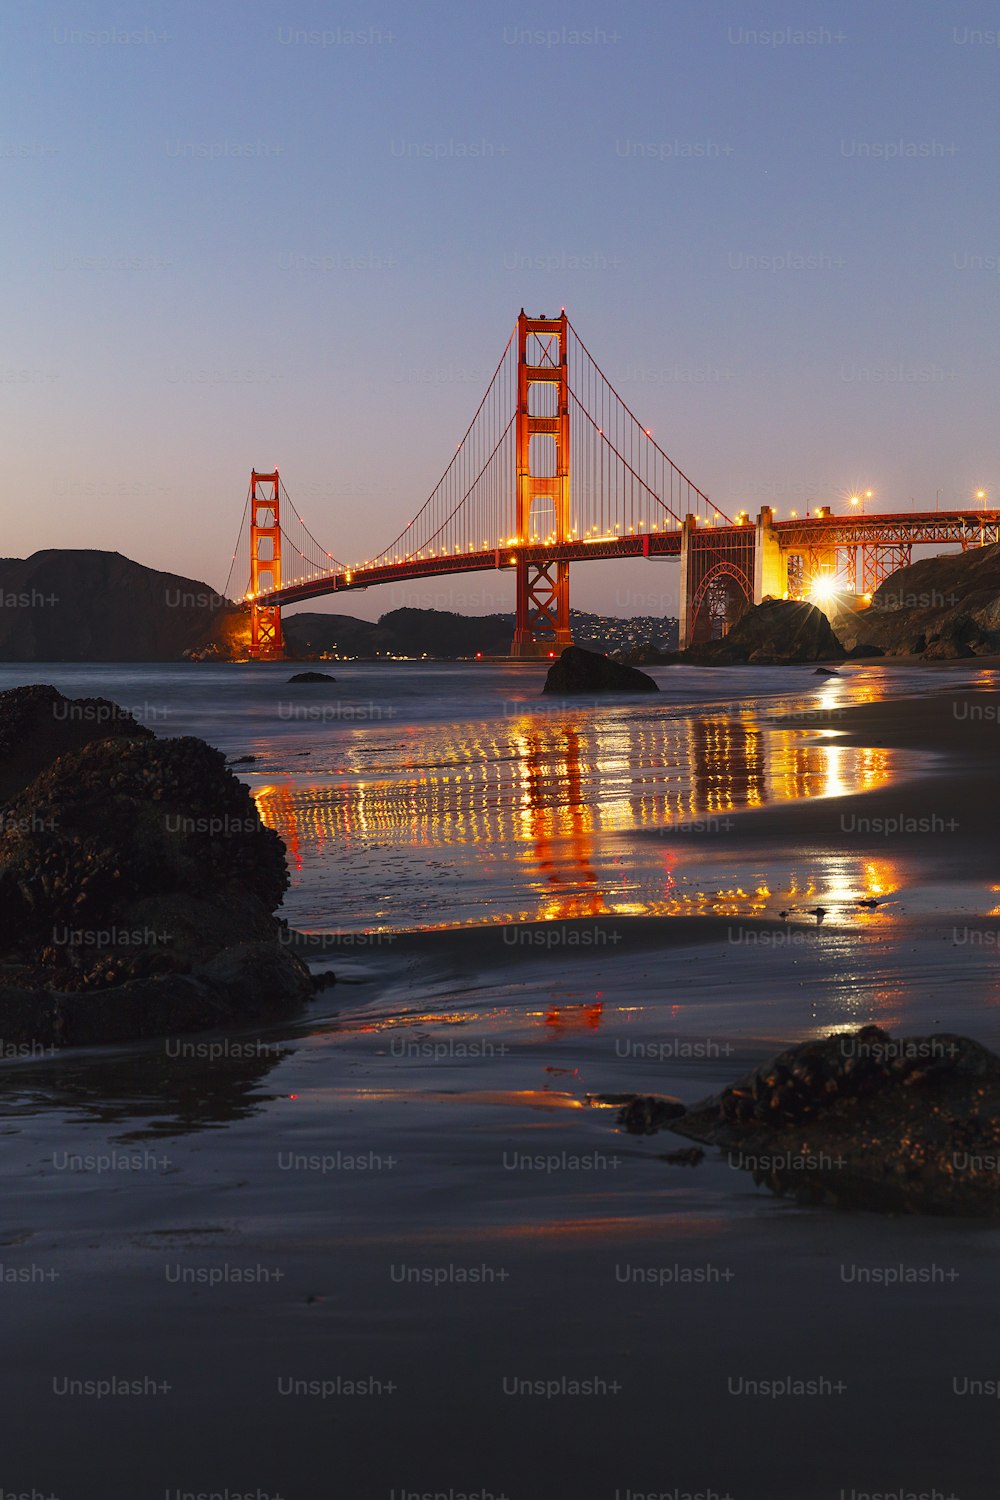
(38, 724)
(645, 1114)
(862, 1119)
(133, 860)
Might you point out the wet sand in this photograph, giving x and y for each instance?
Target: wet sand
(415, 1190)
(951, 821)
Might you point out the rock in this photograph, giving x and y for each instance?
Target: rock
(646, 1113)
(691, 1156)
(652, 656)
(37, 725)
(215, 651)
(775, 633)
(947, 607)
(252, 981)
(138, 869)
(860, 1120)
(825, 672)
(312, 677)
(952, 641)
(580, 671)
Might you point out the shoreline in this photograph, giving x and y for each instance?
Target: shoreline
(955, 821)
(424, 1160)
(952, 780)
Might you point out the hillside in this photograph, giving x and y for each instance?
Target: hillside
(945, 606)
(63, 605)
(438, 632)
(401, 632)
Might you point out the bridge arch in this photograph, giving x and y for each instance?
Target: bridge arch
(719, 599)
(717, 579)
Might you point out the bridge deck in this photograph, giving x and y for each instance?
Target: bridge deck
(901, 527)
(654, 545)
(916, 528)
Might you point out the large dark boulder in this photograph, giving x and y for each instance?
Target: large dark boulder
(37, 725)
(138, 862)
(580, 671)
(773, 633)
(312, 677)
(945, 607)
(863, 1120)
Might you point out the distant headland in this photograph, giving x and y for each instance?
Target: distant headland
(86, 605)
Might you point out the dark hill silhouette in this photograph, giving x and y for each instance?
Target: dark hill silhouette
(402, 632)
(87, 605)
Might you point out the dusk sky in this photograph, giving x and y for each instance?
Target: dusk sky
(244, 234)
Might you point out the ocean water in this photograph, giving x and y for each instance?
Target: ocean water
(424, 795)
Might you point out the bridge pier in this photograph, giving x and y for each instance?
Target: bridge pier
(770, 564)
(541, 624)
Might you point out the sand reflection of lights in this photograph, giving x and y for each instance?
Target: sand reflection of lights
(843, 880)
(529, 818)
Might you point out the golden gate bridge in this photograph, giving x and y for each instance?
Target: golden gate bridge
(555, 468)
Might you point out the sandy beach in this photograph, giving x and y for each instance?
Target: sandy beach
(399, 1247)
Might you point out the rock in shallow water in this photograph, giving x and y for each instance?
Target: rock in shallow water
(865, 1120)
(776, 632)
(580, 671)
(139, 870)
(252, 981)
(646, 1113)
(312, 677)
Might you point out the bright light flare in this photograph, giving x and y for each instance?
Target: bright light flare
(824, 590)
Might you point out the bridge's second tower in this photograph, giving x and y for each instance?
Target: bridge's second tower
(542, 622)
(265, 565)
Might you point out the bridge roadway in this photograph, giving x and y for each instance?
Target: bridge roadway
(967, 527)
(657, 544)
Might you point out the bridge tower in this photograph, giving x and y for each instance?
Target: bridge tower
(265, 565)
(541, 625)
